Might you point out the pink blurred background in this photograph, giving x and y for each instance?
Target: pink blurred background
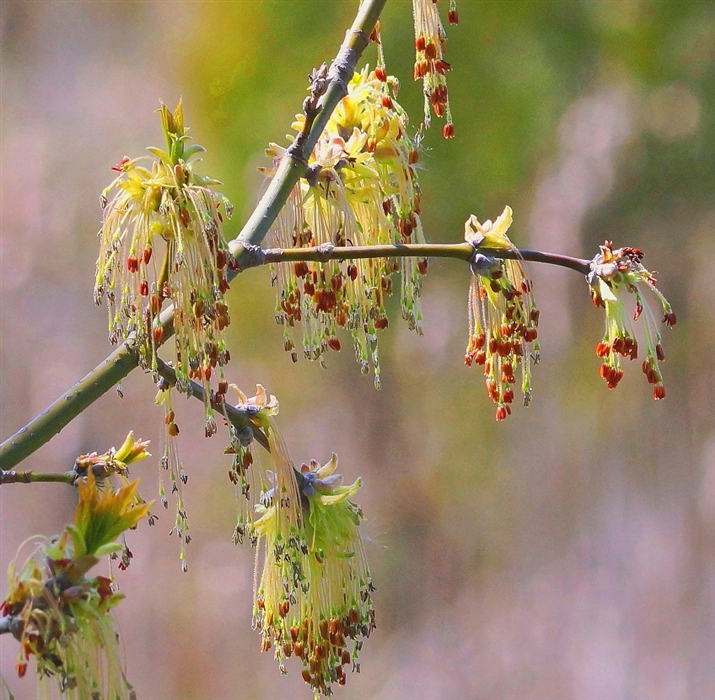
(568, 552)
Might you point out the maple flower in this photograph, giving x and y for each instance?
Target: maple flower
(615, 274)
(160, 203)
(430, 66)
(60, 615)
(313, 600)
(503, 317)
(361, 189)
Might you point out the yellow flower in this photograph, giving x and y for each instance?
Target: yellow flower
(615, 274)
(503, 317)
(361, 190)
(102, 515)
(313, 600)
(161, 239)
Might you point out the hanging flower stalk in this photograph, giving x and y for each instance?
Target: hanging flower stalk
(61, 616)
(503, 317)
(361, 189)
(615, 274)
(313, 597)
(161, 203)
(430, 66)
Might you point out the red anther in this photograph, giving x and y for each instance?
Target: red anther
(659, 353)
(438, 109)
(386, 206)
(172, 429)
(132, 263)
(669, 318)
(381, 322)
(119, 167)
(154, 304)
(220, 259)
(534, 316)
(352, 272)
(371, 145)
(431, 51)
(300, 269)
(480, 358)
(502, 412)
(179, 173)
(309, 288)
(386, 101)
(442, 66)
(413, 156)
(658, 392)
(421, 68)
(144, 288)
(333, 343)
(509, 396)
(380, 74)
(422, 266)
(158, 334)
(452, 16)
(448, 131)
(420, 43)
(146, 255)
(530, 335)
(222, 388)
(602, 349)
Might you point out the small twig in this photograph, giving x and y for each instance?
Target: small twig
(30, 477)
(459, 251)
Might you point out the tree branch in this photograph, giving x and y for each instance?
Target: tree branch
(459, 251)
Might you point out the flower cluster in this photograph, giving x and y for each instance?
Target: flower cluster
(59, 614)
(166, 205)
(361, 189)
(313, 597)
(503, 317)
(615, 274)
(430, 66)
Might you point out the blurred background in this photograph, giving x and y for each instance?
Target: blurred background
(568, 552)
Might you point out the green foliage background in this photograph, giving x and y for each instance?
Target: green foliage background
(567, 552)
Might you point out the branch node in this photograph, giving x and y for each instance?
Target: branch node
(324, 251)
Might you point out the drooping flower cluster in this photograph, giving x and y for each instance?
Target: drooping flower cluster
(361, 190)
(313, 598)
(430, 66)
(615, 274)
(166, 206)
(503, 317)
(59, 614)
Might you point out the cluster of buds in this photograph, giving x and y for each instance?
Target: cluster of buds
(613, 275)
(167, 205)
(59, 614)
(503, 317)
(360, 189)
(313, 597)
(430, 66)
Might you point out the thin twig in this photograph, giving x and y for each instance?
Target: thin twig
(30, 477)
(459, 251)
